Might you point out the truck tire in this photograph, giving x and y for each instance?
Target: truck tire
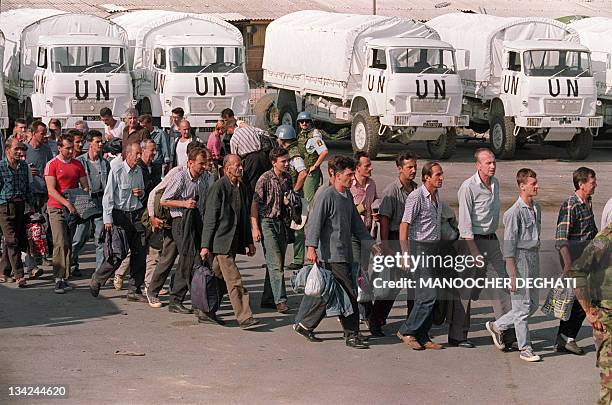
(501, 136)
(261, 109)
(444, 147)
(287, 110)
(364, 134)
(580, 146)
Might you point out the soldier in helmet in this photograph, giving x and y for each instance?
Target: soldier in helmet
(313, 150)
(592, 272)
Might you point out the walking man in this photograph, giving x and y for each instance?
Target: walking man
(575, 227)
(522, 227)
(62, 173)
(478, 222)
(122, 208)
(420, 234)
(332, 224)
(226, 233)
(15, 192)
(268, 212)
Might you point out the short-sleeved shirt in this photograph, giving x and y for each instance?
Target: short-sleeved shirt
(67, 175)
(315, 144)
(117, 131)
(181, 152)
(478, 207)
(39, 157)
(423, 215)
(365, 195)
(522, 227)
(393, 203)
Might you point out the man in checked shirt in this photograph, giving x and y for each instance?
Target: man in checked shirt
(575, 227)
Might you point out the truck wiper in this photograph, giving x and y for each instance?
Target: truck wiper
(91, 67)
(583, 72)
(116, 69)
(559, 72)
(204, 68)
(426, 69)
(235, 67)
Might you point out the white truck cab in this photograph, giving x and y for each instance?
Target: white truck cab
(192, 61)
(77, 75)
(524, 80)
(389, 79)
(65, 66)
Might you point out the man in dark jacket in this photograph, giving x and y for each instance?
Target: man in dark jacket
(227, 232)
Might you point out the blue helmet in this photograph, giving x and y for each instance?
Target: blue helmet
(304, 116)
(285, 132)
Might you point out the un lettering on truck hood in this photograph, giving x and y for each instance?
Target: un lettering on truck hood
(446, 89)
(212, 85)
(96, 86)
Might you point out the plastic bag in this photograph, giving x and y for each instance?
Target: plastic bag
(559, 302)
(364, 289)
(314, 283)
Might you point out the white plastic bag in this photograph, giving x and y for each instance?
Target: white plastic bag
(314, 283)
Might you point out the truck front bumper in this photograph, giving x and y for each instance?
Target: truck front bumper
(559, 122)
(425, 121)
(93, 122)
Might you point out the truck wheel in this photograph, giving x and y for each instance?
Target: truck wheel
(444, 147)
(364, 134)
(501, 137)
(262, 109)
(580, 146)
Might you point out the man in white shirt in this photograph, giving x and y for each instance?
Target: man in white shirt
(180, 145)
(112, 127)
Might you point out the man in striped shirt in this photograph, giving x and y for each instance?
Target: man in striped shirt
(419, 232)
(575, 227)
(246, 143)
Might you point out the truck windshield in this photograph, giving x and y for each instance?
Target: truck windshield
(563, 63)
(422, 60)
(207, 59)
(88, 59)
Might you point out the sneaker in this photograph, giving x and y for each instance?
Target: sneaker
(67, 286)
(527, 354)
(356, 343)
(59, 287)
(118, 282)
(307, 333)
(154, 302)
(496, 335)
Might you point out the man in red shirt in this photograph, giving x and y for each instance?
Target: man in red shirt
(62, 173)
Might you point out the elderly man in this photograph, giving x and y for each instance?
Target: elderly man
(15, 192)
(160, 137)
(133, 131)
(227, 232)
(122, 207)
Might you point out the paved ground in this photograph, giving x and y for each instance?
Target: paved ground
(71, 339)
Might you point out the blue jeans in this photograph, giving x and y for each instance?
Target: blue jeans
(525, 301)
(81, 235)
(275, 245)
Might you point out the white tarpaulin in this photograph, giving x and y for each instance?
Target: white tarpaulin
(484, 36)
(145, 25)
(596, 34)
(318, 45)
(24, 27)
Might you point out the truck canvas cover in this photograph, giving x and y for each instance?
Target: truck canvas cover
(317, 46)
(484, 36)
(145, 25)
(24, 26)
(596, 34)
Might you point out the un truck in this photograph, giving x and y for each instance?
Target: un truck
(63, 65)
(4, 118)
(524, 80)
(387, 78)
(192, 61)
(596, 33)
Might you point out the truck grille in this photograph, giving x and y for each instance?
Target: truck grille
(428, 105)
(205, 105)
(89, 107)
(562, 106)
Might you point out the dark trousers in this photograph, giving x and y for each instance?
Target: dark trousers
(255, 164)
(167, 257)
(12, 223)
(571, 327)
(420, 320)
(184, 271)
(312, 309)
(130, 222)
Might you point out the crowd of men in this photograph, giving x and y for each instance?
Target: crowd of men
(163, 196)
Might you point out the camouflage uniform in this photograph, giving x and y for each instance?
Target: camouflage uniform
(314, 179)
(594, 270)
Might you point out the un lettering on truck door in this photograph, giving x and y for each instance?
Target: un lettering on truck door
(159, 80)
(511, 84)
